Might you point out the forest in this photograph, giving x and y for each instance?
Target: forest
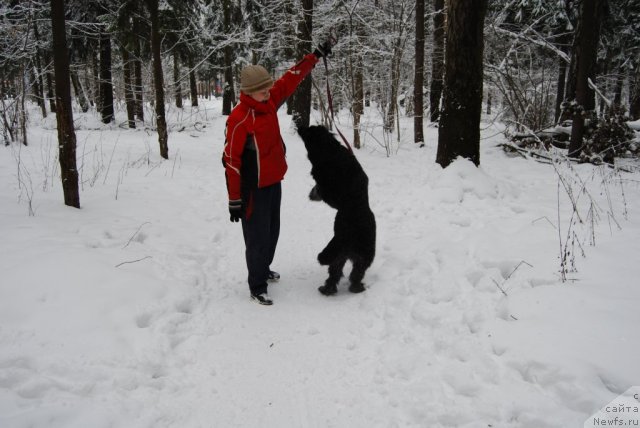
(500, 142)
(564, 72)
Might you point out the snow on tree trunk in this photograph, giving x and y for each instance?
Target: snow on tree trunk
(158, 79)
(437, 60)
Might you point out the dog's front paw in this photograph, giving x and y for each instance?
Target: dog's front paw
(314, 195)
(357, 288)
(328, 289)
(324, 259)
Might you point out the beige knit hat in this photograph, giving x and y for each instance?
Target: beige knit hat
(254, 78)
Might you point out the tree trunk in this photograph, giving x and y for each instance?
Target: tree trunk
(106, 86)
(40, 79)
(562, 76)
(22, 113)
(634, 94)
(290, 11)
(64, 114)
(49, 78)
(585, 53)
(617, 96)
(604, 69)
(129, 98)
(79, 90)
(302, 96)
(228, 94)
(418, 87)
(87, 85)
(158, 79)
(137, 72)
(192, 83)
(7, 128)
(459, 130)
(38, 86)
(176, 80)
(358, 102)
(437, 60)
(392, 103)
(95, 83)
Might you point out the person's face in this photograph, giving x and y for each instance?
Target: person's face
(261, 96)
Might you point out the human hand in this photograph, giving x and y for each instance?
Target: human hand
(235, 210)
(324, 48)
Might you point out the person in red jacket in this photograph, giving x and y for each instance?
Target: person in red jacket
(254, 161)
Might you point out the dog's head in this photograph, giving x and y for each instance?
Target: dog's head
(318, 141)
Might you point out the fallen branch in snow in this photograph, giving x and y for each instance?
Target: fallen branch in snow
(134, 235)
(539, 157)
(557, 136)
(175, 158)
(510, 147)
(516, 268)
(545, 218)
(501, 286)
(152, 168)
(133, 261)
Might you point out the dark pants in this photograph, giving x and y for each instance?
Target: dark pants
(261, 229)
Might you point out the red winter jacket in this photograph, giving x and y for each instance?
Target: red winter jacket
(254, 153)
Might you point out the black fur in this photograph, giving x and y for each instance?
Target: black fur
(342, 184)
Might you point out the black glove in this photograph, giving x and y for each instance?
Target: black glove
(235, 210)
(324, 48)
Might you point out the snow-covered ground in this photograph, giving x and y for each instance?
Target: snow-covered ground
(134, 312)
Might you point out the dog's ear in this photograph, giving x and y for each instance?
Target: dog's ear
(319, 130)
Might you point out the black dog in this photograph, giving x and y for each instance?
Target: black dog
(342, 184)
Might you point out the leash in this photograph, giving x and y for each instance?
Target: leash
(330, 102)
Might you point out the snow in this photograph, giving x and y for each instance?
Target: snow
(635, 125)
(134, 311)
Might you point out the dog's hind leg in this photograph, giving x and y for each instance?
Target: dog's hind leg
(335, 273)
(357, 274)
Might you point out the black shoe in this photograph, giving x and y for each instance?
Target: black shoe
(273, 276)
(262, 299)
